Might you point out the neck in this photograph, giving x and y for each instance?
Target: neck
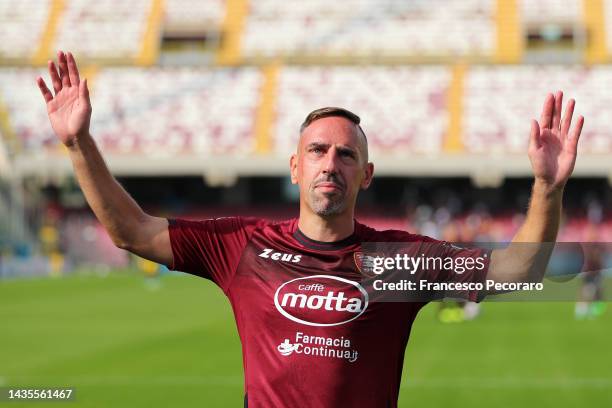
(326, 229)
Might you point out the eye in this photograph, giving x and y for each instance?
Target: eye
(347, 153)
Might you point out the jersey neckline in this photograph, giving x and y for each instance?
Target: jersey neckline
(326, 246)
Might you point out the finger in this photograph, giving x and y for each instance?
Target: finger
(556, 119)
(55, 79)
(547, 111)
(73, 71)
(575, 135)
(46, 93)
(534, 136)
(567, 118)
(84, 91)
(63, 68)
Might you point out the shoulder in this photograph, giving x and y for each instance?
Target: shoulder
(284, 227)
(220, 225)
(369, 234)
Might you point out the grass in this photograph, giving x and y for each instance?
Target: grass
(121, 344)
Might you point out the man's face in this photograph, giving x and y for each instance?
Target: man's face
(331, 166)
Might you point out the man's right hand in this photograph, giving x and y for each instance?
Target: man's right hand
(70, 110)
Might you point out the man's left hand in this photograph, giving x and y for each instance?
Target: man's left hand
(553, 143)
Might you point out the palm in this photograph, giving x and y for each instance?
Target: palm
(69, 110)
(553, 144)
(68, 115)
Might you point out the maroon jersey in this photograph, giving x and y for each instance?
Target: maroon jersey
(312, 335)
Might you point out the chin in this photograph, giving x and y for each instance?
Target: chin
(330, 210)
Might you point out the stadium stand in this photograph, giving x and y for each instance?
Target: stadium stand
(374, 28)
(551, 11)
(498, 99)
(163, 112)
(402, 108)
(22, 25)
(28, 119)
(405, 109)
(193, 16)
(113, 29)
(154, 112)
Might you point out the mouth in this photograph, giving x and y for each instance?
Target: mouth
(328, 186)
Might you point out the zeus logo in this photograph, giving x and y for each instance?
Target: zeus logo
(280, 256)
(321, 300)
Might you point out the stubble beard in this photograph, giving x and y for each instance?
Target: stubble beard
(327, 204)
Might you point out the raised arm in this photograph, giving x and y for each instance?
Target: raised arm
(552, 151)
(69, 113)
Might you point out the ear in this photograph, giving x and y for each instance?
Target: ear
(369, 173)
(293, 164)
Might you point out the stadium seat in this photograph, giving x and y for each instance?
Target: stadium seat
(403, 109)
(22, 25)
(500, 101)
(193, 15)
(26, 108)
(155, 112)
(162, 112)
(367, 27)
(565, 12)
(112, 29)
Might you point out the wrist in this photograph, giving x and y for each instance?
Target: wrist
(78, 142)
(545, 189)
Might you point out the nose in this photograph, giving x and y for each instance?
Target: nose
(332, 161)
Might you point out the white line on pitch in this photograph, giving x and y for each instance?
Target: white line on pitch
(508, 382)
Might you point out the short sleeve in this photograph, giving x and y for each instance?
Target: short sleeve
(210, 248)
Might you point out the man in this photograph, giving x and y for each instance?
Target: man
(311, 334)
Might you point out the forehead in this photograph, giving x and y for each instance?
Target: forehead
(332, 130)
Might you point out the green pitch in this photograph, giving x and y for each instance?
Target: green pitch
(120, 343)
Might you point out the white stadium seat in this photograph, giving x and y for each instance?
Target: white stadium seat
(370, 27)
(22, 25)
(551, 11)
(401, 108)
(159, 112)
(499, 102)
(194, 15)
(26, 108)
(162, 112)
(103, 29)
